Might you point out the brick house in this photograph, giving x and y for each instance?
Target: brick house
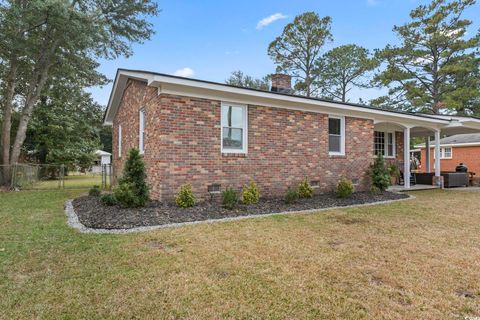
(456, 149)
(214, 135)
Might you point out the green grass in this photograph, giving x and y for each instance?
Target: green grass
(406, 260)
(70, 182)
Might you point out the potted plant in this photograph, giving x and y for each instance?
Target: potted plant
(394, 174)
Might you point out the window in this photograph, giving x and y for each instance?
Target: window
(234, 128)
(384, 144)
(445, 153)
(336, 135)
(141, 133)
(119, 141)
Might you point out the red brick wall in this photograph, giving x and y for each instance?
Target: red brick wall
(470, 156)
(182, 145)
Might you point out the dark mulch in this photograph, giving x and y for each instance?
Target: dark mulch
(92, 213)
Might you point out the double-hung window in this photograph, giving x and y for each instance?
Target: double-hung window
(119, 141)
(445, 153)
(384, 143)
(141, 133)
(234, 128)
(336, 135)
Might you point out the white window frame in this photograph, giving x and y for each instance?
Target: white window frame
(385, 144)
(342, 136)
(141, 131)
(244, 149)
(120, 141)
(442, 153)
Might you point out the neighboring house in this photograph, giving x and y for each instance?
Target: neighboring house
(456, 149)
(214, 135)
(102, 158)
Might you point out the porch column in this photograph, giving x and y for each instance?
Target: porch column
(427, 155)
(437, 153)
(406, 157)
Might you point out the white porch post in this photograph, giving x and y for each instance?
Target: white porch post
(406, 157)
(437, 153)
(427, 155)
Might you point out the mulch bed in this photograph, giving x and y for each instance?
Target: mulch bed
(93, 214)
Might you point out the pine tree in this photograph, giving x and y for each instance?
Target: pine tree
(133, 190)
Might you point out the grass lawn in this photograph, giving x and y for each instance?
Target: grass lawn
(70, 182)
(409, 260)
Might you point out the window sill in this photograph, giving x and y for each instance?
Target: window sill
(337, 155)
(234, 154)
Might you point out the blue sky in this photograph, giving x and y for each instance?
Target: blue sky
(208, 39)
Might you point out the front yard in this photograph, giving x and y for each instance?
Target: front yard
(415, 259)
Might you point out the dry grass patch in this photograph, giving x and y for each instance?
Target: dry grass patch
(410, 260)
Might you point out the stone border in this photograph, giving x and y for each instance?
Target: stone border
(75, 223)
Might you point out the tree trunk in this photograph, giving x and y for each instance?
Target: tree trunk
(11, 84)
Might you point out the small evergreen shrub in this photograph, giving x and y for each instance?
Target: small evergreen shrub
(291, 196)
(380, 174)
(344, 188)
(109, 199)
(305, 190)
(95, 191)
(132, 190)
(229, 198)
(185, 197)
(250, 193)
(374, 190)
(125, 195)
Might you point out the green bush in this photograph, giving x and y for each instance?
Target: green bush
(394, 170)
(125, 195)
(374, 190)
(185, 197)
(344, 188)
(95, 191)
(380, 174)
(250, 193)
(291, 196)
(229, 198)
(305, 190)
(132, 190)
(109, 199)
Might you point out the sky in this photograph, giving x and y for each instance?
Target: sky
(211, 38)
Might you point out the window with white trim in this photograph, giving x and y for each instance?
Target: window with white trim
(336, 135)
(384, 144)
(234, 128)
(120, 141)
(141, 133)
(445, 153)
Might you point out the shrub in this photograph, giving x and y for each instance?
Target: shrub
(109, 199)
(374, 190)
(380, 174)
(132, 188)
(394, 170)
(95, 191)
(229, 198)
(125, 195)
(344, 188)
(185, 197)
(305, 190)
(250, 193)
(291, 196)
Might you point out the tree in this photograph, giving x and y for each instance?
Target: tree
(132, 189)
(65, 129)
(47, 41)
(298, 48)
(238, 78)
(342, 69)
(435, 66)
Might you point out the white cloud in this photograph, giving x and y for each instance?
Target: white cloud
(271, 19)
(184, 72)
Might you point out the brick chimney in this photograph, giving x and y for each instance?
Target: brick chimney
(281, 83)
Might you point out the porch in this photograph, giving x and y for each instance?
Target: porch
(393, 139)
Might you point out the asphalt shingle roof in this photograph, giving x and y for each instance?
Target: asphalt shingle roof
(461, 138)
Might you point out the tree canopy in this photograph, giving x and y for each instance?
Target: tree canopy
(341, 69)
(240, 79)
(435, 67)
(46, 42)
(297, 50)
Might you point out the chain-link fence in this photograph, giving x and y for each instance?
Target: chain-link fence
(53, 176)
